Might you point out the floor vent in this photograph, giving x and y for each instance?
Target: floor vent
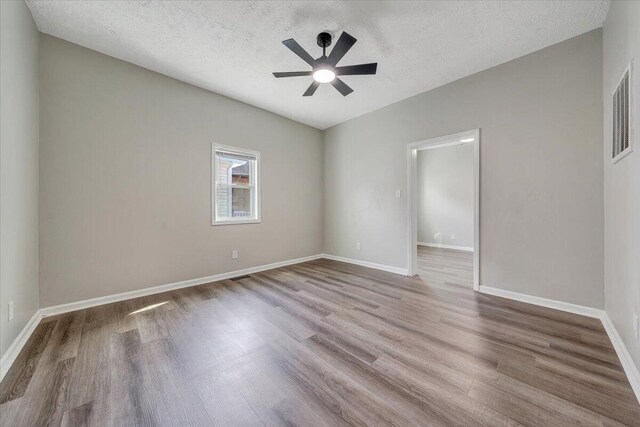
(233, 279)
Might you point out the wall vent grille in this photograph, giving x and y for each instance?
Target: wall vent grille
(622, 116)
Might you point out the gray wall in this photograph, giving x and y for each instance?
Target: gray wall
(622, 180)
(19, 169)
(125, 200)
(445, 195)
(541, 178)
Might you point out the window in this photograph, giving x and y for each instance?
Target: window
(235, 182)
(622, 116)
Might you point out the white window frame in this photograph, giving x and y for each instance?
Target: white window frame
(214, 184)
(630, 69)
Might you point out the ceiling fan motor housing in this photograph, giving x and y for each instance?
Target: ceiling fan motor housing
(324, 40)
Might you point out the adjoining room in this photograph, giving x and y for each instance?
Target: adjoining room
(446, 213)
(305, 213)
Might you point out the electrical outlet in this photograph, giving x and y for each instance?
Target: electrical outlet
(10, 311)
(234, 254)
(453, 236)
(358, 245)
(636, 326)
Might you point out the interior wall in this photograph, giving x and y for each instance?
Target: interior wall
(541, 177)
(445, 195)
(622, 180)
(125, 200)
(19, 176)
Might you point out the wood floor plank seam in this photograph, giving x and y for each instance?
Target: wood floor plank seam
(320, 343)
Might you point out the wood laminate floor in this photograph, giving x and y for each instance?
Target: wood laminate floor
(440, 266)
(319, 343)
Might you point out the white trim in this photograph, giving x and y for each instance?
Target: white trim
(9, 357)
(544, 302)
(239, 221)
(440, 245)
(630, 368)
(623, 154)
(79, 305)
(383, 267)
(412, 198)
(16, 346)
(257, 184)
(476, 212)
(633, 374)
(629, 68)
(18, 343)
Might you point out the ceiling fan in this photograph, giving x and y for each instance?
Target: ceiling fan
(324, 69)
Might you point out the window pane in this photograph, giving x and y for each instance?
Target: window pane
(234, 203)
(223, 205)
(234, 155)
(240, 173)
(241, 203)
(236, 186)
(234, 169)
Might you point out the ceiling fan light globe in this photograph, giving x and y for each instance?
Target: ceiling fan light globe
(324, 75)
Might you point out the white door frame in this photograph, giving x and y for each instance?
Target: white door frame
(412, 199)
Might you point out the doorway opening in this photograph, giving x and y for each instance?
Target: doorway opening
(443, 185)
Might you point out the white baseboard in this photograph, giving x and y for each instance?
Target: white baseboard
(18, 343)
(80, 305)
(440, 245)
(13, 351)
(383, 267)
(544, 302)
(630, 368)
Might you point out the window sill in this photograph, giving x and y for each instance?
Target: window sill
(246, 221)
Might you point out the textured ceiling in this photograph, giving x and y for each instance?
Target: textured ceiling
(231, 48)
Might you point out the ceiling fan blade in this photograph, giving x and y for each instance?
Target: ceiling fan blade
(312, 89)
(341, 86)
(342, 46)
(298, 50)
(292, 74)
(361, 69)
